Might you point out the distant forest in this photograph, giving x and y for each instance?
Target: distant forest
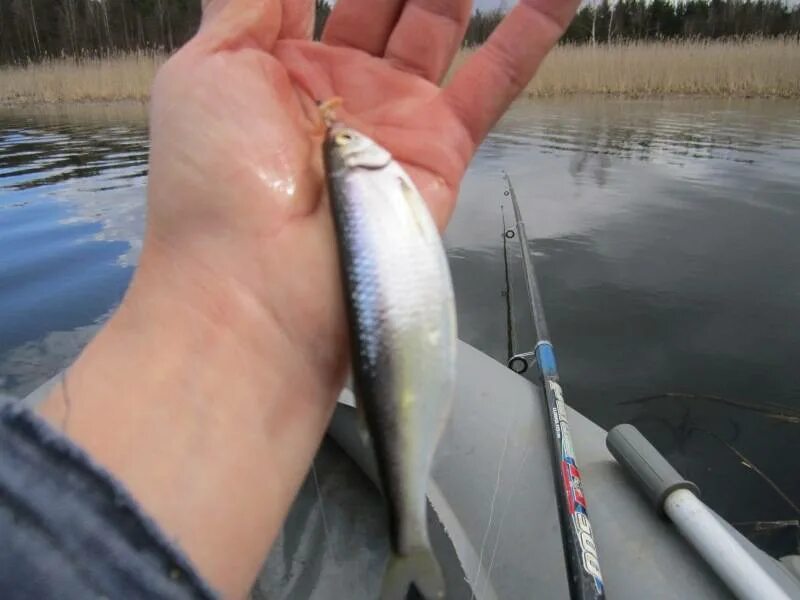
(622, 20)
(34, 29)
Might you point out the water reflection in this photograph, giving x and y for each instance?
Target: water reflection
(24, 367)
(665, 235)
(71, 198)
(666, 240)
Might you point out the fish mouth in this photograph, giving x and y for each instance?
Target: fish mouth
(334, 129)
(327, 109)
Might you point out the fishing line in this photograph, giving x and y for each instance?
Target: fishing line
(747, 463)
(474, 586)
(772, 410)
(514, 482)
(326, 531)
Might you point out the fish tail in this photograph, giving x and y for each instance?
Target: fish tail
(419, 568)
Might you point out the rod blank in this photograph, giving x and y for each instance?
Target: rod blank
(580, 551)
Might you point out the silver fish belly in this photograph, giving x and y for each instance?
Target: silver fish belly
(401, 315)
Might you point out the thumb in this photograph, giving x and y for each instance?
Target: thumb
(230, 24)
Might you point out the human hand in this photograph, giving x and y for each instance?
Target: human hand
(236, 183)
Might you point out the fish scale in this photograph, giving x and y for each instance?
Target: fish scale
(401, 315)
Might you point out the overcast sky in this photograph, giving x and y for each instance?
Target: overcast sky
(484, 4)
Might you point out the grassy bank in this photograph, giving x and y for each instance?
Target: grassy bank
(108, 79)
(762, 68)
(758, 68)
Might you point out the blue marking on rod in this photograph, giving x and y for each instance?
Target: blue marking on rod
(546, 359)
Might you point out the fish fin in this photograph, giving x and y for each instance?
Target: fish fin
(420, 569)
(363, 429)
(416, 205)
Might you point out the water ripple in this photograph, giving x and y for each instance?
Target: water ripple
(72, 217)
(688, 129)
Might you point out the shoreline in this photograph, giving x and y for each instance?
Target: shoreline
(97, 102)
(757, 68)
(143, 104)
(134, 112)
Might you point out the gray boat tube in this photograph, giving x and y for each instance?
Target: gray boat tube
(678, 500)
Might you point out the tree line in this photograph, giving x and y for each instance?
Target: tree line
(615, 20)
(704, 19)
(35, 29)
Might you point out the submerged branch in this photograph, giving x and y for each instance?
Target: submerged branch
(746, 462)
(772, 410)
(762, 526)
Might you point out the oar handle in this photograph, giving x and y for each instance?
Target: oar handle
(654, 475)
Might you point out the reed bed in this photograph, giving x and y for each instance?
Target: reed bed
(729, 68)
(111, 78)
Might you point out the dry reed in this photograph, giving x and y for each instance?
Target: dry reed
(116, 77)
(733, 68)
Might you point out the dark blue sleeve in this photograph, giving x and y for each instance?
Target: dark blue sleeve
(68, 529)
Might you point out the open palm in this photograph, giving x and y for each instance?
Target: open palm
(236, 200)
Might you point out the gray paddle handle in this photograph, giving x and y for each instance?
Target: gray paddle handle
(651, 471)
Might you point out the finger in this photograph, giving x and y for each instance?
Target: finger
(427, 36)
(298, 19)
(211, 8)
(362, 24)
(482, 89)
(229, 23)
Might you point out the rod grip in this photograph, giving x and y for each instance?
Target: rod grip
(652, 473)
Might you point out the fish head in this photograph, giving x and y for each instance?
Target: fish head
(347, 148)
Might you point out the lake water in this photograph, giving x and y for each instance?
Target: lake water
(666, 236)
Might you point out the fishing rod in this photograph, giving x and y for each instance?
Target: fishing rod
(580, 551)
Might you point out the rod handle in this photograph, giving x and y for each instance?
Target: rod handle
(655, 477)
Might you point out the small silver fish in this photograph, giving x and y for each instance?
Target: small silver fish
(401, 314)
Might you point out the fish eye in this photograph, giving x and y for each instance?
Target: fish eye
(343, 138)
